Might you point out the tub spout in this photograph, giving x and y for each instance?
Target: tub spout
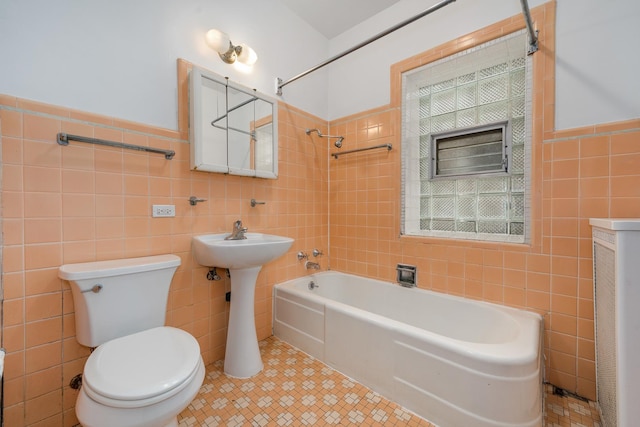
(310, 265)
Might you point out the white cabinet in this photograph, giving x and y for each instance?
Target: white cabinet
(616, 272)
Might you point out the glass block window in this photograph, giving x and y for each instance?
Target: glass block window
(465, 144)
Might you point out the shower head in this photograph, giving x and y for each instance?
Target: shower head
(338, 143)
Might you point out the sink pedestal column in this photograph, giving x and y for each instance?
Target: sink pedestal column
(242, 355)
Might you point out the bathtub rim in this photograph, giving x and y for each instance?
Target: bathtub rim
(511, 353)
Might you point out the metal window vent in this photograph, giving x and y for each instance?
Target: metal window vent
(472, 151)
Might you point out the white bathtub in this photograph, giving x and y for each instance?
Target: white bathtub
(453, 361)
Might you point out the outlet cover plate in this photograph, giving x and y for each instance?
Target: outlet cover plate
(164, 211)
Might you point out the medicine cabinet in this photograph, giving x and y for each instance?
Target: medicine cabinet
(232, 129)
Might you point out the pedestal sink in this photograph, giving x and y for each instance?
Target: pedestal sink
(244, 259)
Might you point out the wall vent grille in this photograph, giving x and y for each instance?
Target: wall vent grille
(606, 347)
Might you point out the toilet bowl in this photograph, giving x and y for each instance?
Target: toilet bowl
(141, 373)
(140, 380)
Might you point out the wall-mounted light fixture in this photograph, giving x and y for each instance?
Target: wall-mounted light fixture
(220, 42)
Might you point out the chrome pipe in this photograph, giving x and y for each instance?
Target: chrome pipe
(533, 34)
(338, 143)
(280, 84)
(320, 134)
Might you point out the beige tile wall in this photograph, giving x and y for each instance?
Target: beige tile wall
(577, 174)
(83, 203)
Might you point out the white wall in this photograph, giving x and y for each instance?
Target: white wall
(118, 58)
(351, 89)
(596, 65)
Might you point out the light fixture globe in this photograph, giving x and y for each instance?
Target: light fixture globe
(247, 55)
(220, 42)
(217, 40)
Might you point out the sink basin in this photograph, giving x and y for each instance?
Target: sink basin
(211, 250)
(244, 259)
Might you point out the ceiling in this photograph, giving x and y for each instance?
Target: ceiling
(333, 17)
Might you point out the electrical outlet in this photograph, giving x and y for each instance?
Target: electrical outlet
(160, 211)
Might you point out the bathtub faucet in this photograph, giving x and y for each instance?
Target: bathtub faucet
(310, 265)
(238, 232)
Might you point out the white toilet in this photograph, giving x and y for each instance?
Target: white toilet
(142, 373)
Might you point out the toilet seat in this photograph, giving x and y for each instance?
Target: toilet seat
(143, 368)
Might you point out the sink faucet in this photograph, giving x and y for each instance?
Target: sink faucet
(310, 265)
(238, 231)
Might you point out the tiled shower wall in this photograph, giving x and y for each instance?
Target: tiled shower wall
(83, 202)
(576, 175)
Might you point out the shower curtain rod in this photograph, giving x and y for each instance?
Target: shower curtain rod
(280, 84)
(533, 40)
(533, 34)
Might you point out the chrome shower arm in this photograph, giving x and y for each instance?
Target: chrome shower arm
(338, 143)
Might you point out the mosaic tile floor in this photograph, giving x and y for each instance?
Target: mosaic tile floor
(566, 411)
(295, 389)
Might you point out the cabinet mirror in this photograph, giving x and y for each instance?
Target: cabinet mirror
(232, 129)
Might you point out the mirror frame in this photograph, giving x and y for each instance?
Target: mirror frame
(197, 79)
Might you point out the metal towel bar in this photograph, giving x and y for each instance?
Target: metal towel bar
(387, 146)
(64, 138)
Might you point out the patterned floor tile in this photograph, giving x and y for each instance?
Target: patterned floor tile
(295, 389)
(566, 411)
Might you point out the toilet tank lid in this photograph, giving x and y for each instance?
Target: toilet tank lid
(117, 267)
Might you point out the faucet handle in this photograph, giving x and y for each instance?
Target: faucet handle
(238, 231)
(317, 253)
(302, 255)
(193, 200)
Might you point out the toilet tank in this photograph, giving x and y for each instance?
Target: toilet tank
(119, 297)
